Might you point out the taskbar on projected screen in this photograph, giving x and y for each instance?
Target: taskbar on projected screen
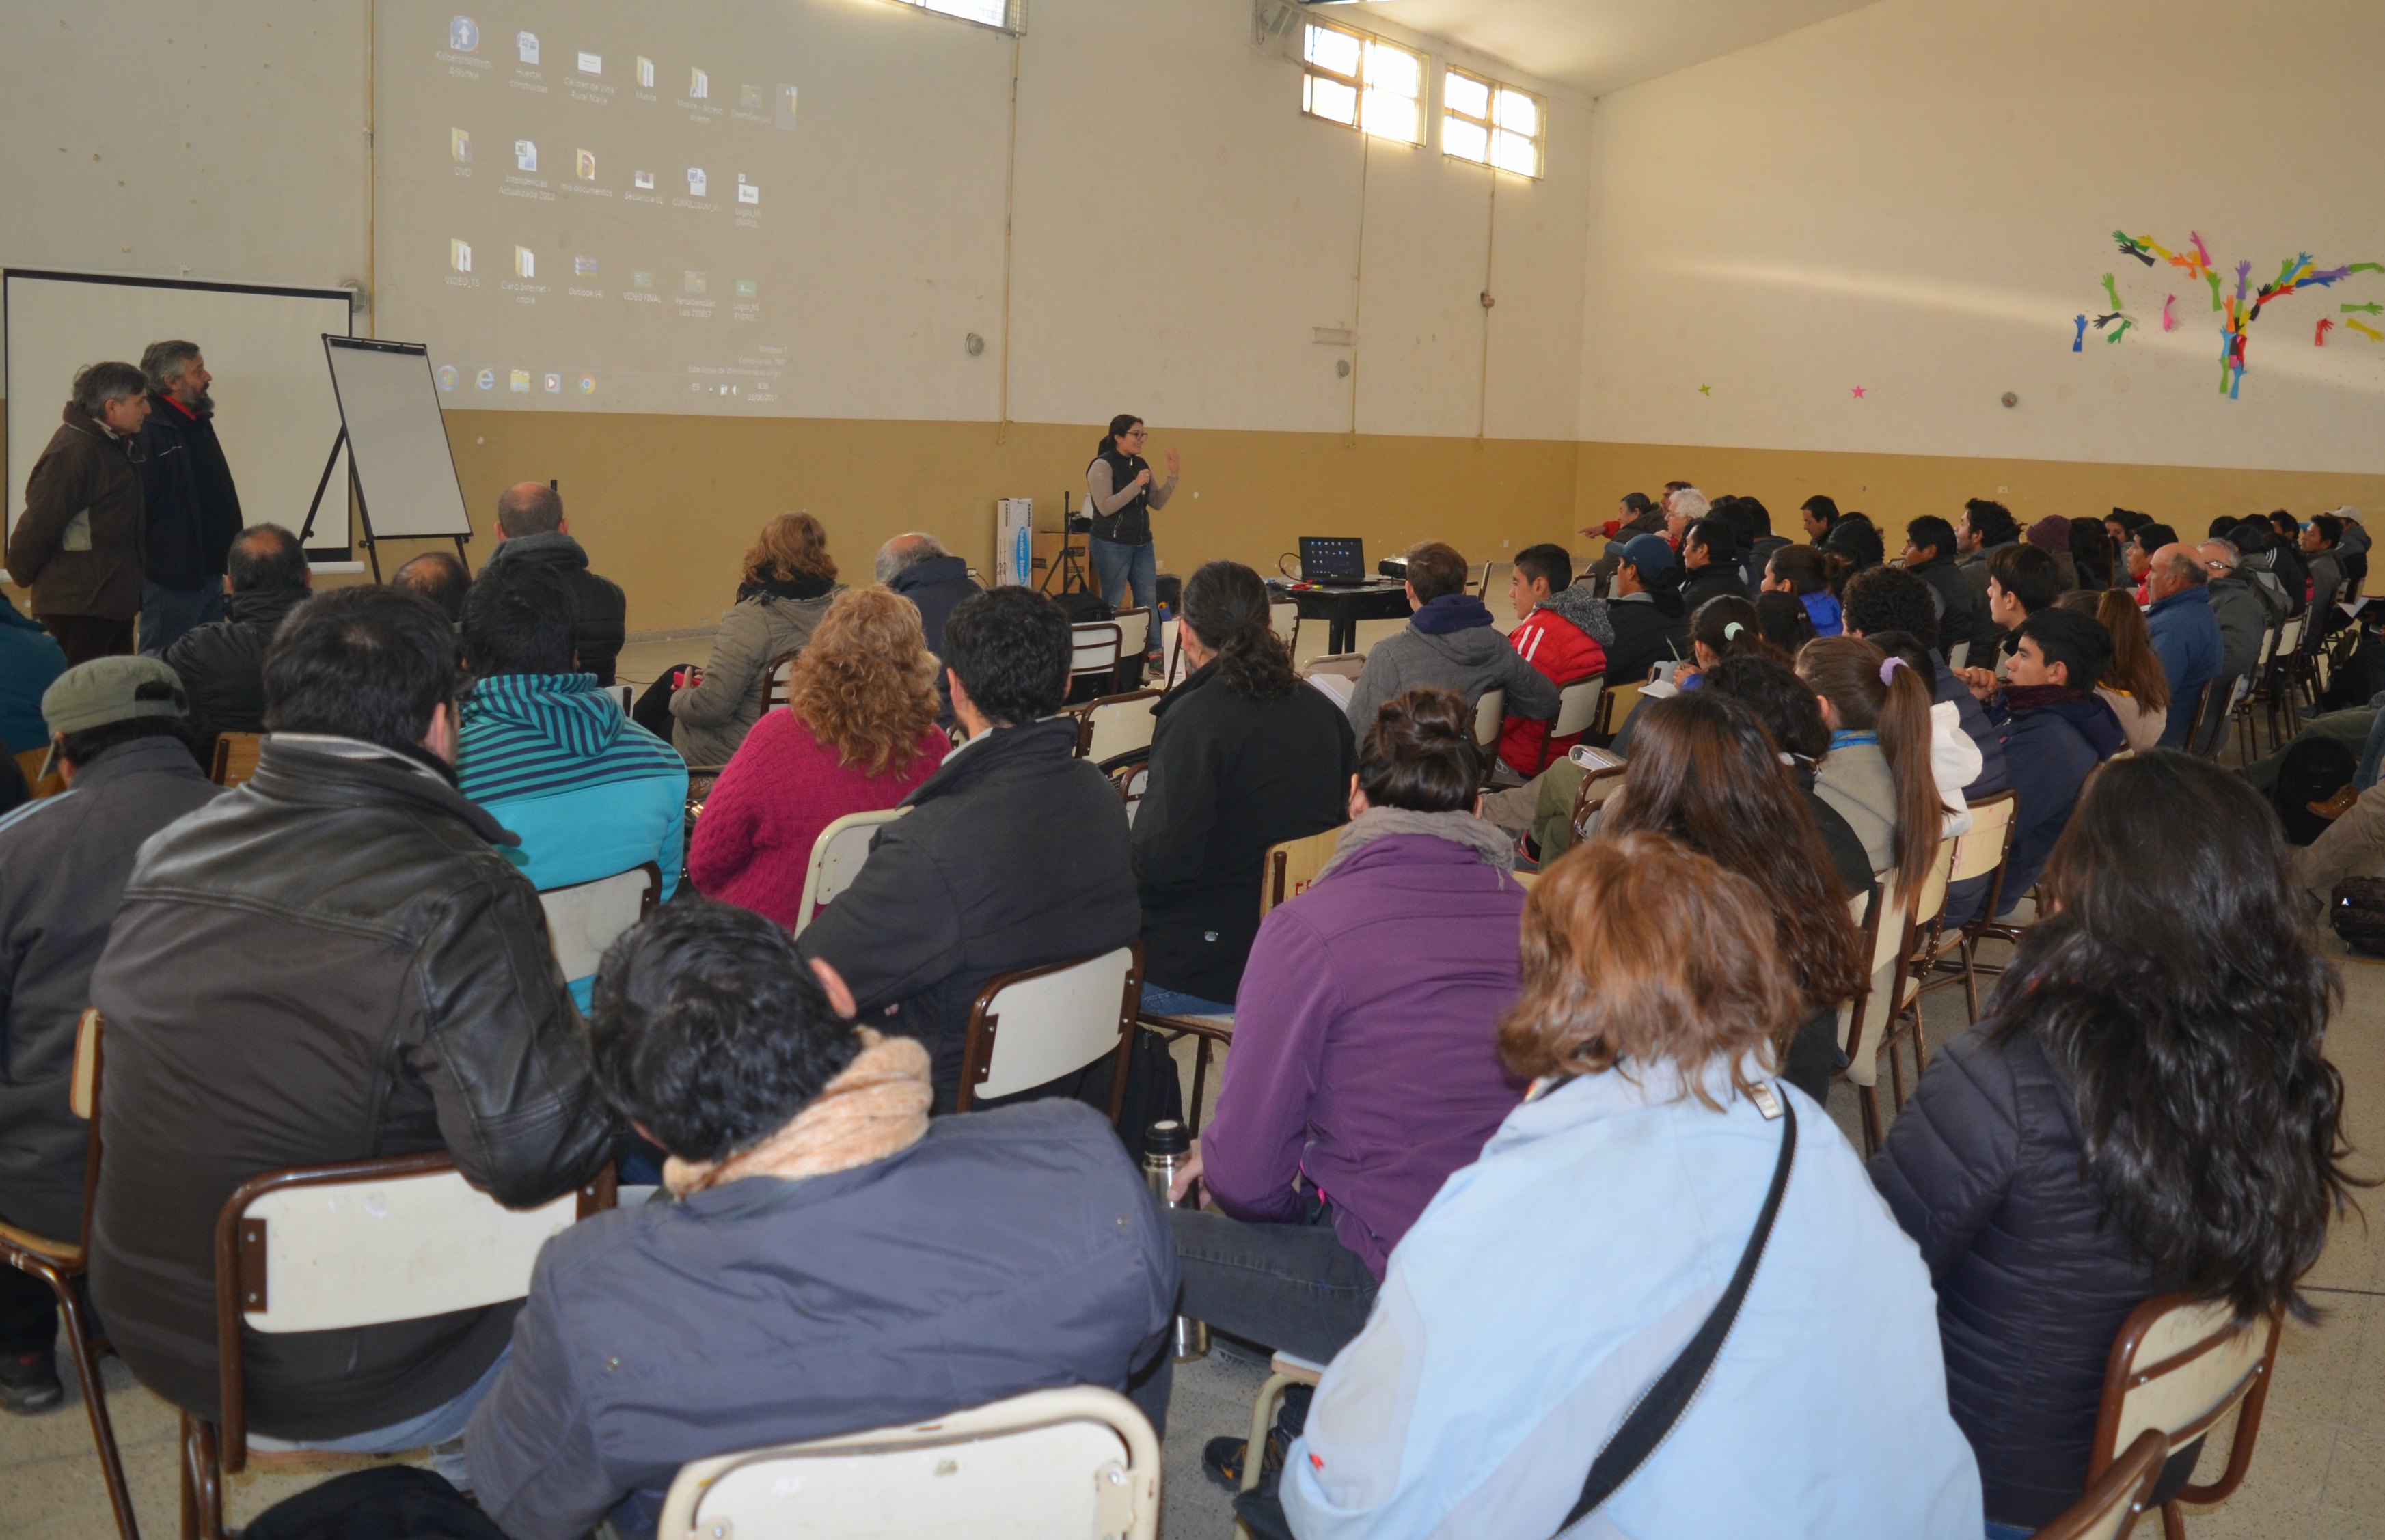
(751, 380)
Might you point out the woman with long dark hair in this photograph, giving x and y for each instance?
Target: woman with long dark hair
(1243, 757)
(1121, 494)
(2145, 1108)
(1706, 774)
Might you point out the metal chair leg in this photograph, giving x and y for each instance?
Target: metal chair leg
(202, 1482)
(94, 1402)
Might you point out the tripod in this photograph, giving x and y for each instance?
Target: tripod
(1069, 566)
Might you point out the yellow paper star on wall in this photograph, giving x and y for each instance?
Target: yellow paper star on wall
(1705, 390)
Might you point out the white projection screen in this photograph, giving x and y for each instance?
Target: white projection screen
(274, 409)
(404, 466)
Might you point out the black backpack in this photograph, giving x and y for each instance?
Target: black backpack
(393, 1502)
(2313, 770)
(2357, 909)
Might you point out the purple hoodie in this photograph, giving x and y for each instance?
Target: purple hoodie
(1364, 1053)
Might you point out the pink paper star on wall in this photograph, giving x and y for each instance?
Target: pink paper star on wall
(1859, 392)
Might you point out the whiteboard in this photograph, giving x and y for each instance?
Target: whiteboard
(404, 466)
(274, 410)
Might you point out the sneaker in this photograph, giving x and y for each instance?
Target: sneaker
(2338, 805)
(29, 1381)
(1222, 1458)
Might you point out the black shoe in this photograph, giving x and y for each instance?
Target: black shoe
(29, 1381)
(1223, 1457)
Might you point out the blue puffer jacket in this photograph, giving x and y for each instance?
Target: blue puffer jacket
(2050, 751)
(29, 661)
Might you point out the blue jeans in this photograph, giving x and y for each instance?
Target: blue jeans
(1176, 1003)
(2372, 758)
(2007, 1531)
(1120, 570)
(166, 613)
(440, 1425)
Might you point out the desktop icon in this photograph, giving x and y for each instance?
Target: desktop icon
(526, 44)
(554, 384)
(592, 64)
(446, 376)
(464, 34)
(587, 165)
(695, 181)
(699, 85)
(587, 384)
(749, 97)
(459, 256)
(525, 262)
(645, 72)
(459, 146)
(643, 181)
(486, 380)
(746, 289)
(642, 278)
(746, 191)
(519, 380)
(525, 154)
(692, 281)
(786, 118)
(582, 267)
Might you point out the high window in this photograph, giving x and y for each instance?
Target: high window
(1371, 85)
(1003, 14)
(1491, 124)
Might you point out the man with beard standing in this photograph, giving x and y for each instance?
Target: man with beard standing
(193, 508)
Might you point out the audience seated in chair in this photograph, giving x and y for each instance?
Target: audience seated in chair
(919, 568)
(1986, 528)
(2185, 633)
(222, 663)
(2155, 1043)
(1562, 632)
(1880, 773)
(1449, 644)
(1710, 564)
(2133, 685)
(2022, 580)
(532, 531)
(788, 580)
(1930, 556)
(1645, 615)
(1725, 626)
(1014, 854)
(1243, 758)
(1805, 573)
(438, 576)
(1710, 775)
(1363, 1069)
(124, 746)
(858, 735)
(548, 752)
(331, 963)
(833, 1260)
(1888, 598)
(30, 659)
(1554, 1277)
(2055, 732)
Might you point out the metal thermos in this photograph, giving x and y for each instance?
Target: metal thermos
(1166, 1148)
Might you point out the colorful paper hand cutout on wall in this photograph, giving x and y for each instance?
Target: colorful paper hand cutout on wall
(2237, 312)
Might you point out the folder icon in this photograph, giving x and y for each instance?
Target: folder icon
(699, 85)
(525, 262)
(521, 381)
(459, 256)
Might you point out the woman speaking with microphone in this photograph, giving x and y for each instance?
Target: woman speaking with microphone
(1121, 497)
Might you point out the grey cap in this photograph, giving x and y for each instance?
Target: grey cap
(112, 690)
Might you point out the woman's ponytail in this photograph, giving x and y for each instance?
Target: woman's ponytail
(1119, 425)
(1226, 605)
(1904, 729)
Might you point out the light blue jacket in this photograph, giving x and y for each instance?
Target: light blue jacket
(1553, 1280)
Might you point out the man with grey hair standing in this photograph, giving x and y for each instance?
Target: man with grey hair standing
(530, 527)
(193, 508)
(81, 542)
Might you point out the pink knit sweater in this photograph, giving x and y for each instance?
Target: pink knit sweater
(780, 788)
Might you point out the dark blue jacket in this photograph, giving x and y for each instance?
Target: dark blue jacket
(193, 509)
(30, 659)
(937, 586)
(2186, 636)
(2050, 751)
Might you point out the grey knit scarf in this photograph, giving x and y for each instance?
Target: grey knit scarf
(1495, 849)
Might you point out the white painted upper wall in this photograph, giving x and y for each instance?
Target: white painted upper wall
(1180, 228)
(1917, 198)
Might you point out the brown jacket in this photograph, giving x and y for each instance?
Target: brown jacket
(81, 543)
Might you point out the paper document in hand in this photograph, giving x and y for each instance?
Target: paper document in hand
(1337, 688)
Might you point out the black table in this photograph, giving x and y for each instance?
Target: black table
(1342, 609)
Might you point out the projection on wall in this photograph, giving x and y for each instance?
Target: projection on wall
(2237, 310)
(597, 207)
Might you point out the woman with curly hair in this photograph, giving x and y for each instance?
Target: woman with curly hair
(1243, 757)
(858, 733)
(2145, 1108)
(789, 579)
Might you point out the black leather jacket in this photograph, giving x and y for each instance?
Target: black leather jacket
(329, 963)
(222, 665)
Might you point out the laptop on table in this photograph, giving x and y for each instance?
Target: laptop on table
(1335, 561)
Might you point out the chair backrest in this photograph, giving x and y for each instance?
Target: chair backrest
(837, 856)
(1115, 724)
(1884, 916)
(1036, 1026)
(1482, 584)
(2179, 1366)
(2112, 1500)
(583, 919)
(1097, 646)
(626, 694)
(1079, 1463)
(1489, 714)
(364, 1243)
(2290, 637)
(1981, 849)
(1292, 866)
(82, 1088)
(1367, 634)
(1620, 698)
(236, 757)
(1577, 707)
(776, 681)
(2268, 648)
(1130, 773)
(30, 762)
(1283, 619)
(1134, 632)
(1347, 664)
(1591, 795)
(1958, 654)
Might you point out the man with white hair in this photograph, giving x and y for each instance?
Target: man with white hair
(2185, 633)
(193, 507)
(919, 568)
(1683, 508)
(2242, 619)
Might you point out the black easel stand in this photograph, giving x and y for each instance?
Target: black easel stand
(355, 488)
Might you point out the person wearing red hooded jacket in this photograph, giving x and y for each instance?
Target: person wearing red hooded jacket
(1562, 632)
